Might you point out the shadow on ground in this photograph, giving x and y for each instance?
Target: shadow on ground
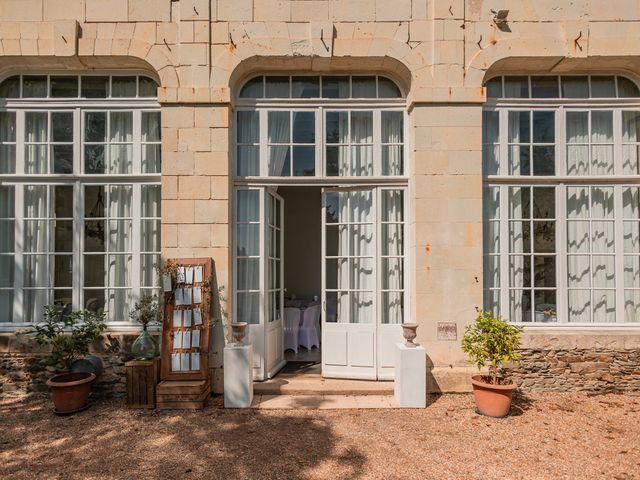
(213, 443)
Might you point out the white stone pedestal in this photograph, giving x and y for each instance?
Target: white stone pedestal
(410, 386)
(238, 376)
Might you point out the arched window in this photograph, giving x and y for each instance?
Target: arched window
(562, 201)
(320, 126)
(79, 193)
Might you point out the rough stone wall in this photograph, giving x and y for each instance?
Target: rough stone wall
(22, 372)
(594, 371)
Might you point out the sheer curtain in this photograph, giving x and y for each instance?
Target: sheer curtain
(520, 304)
(579, 266)
(35, 247)
(248, 143)
(361, 228)
(120, 138)
(35, 160)
(602, 142)
(248, 256)
(393, 256)
(392, 158)
(343, 139)
(119, 272)
(278, 133)
(577, 143)
(362, 143)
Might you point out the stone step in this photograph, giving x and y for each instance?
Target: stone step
(285, 384)
(322, 402)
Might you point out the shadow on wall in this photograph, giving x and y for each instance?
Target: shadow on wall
(181, 444)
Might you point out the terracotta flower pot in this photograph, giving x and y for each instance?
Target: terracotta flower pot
(70, 391)
(492, 400)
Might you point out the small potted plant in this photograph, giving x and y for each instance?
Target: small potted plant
(147, 311)
(492, 342)
(69, 336)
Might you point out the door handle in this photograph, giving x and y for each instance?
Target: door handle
(324, 306)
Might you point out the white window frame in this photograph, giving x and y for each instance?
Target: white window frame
(77, 180)
(560, 181)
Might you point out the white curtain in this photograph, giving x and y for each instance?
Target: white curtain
(248, 256)
(520, 304)
(36, 208)
(392, 161)
(630, 138)
(577, 143)
(344, 169)
(579, 266)
(490, 141)
(362, 143)
(120, 138)
(151, 133)
(631, 215)
(278, 133)
(119, 240)
(602, 142)
(35, 160)
(392, 243)
(150, 234)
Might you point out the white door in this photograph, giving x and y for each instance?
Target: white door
(274, 304)
(259, 294)
(363, 281)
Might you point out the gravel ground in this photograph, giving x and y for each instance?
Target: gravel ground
(547, 436)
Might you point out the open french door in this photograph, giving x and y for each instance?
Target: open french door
(259, 271)
(362, 281)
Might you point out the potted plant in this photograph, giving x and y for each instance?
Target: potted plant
(69, 336)
(147, 311)
(492, 342)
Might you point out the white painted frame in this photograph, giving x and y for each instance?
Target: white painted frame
(560, 181)
(19, 179)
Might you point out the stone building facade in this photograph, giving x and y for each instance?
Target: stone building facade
(440, 53)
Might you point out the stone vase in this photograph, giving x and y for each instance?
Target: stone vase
(239, 330)
(409, 334)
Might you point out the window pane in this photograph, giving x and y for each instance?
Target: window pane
(36, 124)
(94, 161)
(544, 272)
(150, 200)
(147, 87)
(361, 163)
(64, 87)
(579, 271)
(34, 86)
(627, 88)
(10, 88)
(277, 87)
(519, 202)
(95, 129)
(392, 127)
(519, 127)
(151, 158)
(543, 127)
(120, 201)
(603, 87)
(632, 306)
(604, 306)
(520, 305)
(602, 202)
(387, 88)
(544, 237)
(337, 126)
(7, 243)
(575, 87)
(149, 265)
(62, 158)
(7, 159)
(304, 127)
(248, 307)
(632, 271)
(121, 126)
(35, 159)
(248, 161)
(150, 236)
(543, 160)
(361, 310)
(631, 235)
(516, 87)
(392, 160)
(150, 126)
(248, 274)
(603, 271)
(248, 206)
(337, 161)
(362, 127)
(62, 126)
(120, 158)
(544, 87)
(7, 126)
(248, 126)
(254, 88)
(577, 127)
(392, 307)
(95, 87)
(363, 87)
(631, 202)
(494, 87)
(123, 87)
(602, 127)
(335, 87)
(603, 235)
(392, 274)
(305, 87)
(544, 202)
(304, 161)
(278, 127)
(279, 161)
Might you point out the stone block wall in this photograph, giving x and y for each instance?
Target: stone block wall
(595, 371)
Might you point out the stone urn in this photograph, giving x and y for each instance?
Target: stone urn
(239, 330)
(409, 334)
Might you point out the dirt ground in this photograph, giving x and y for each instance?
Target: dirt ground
(547, 436)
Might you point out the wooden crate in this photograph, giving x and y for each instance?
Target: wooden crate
(142, 378)
(183, 394)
